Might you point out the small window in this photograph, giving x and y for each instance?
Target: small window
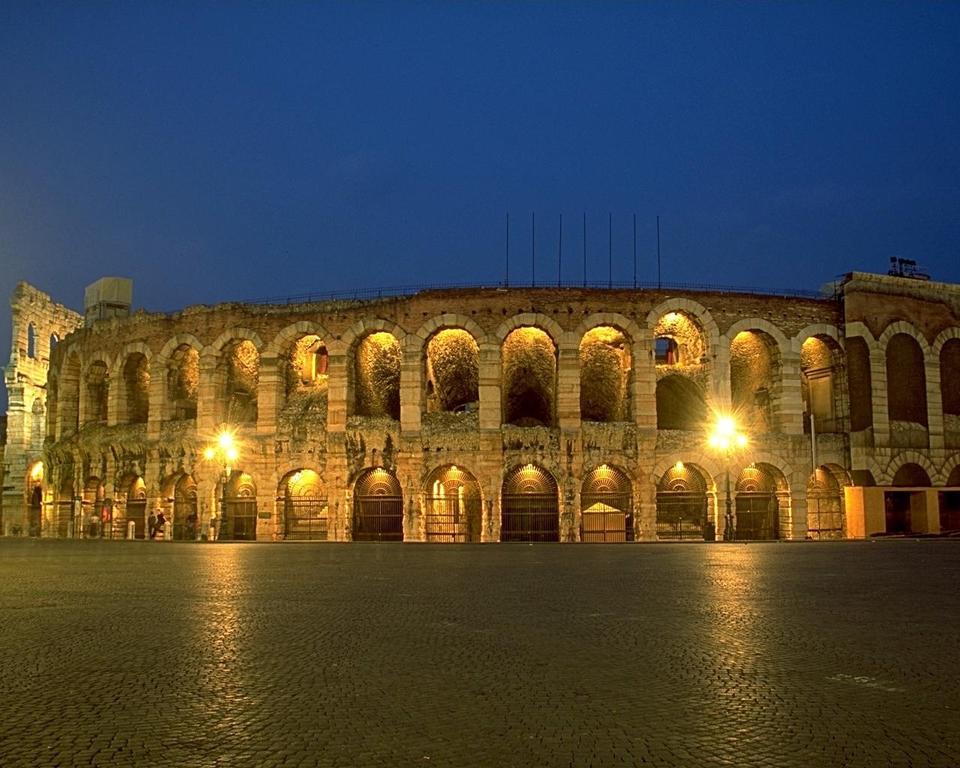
(667, 351)
(31, 342)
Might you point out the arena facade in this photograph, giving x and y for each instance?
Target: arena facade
(488, 414)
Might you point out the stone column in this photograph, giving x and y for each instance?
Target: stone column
(934, 404)
(790, 405)
(159, 408)
(209, 410)
(878, 387)
(644, 384)
(337, 364)
(270, 395)
(411, 386)
(568, 384)
(491, 397)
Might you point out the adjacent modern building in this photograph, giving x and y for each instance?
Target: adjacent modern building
(489, 414)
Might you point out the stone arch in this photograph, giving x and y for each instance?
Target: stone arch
(633, 333)
(756, 366)
(683, 503)
(95, 389)
(180, 374)
(763, 496)
(532, 320)
(947, 350)
(528, 360)
(239, 510)
(689, 307)
(904, 458)
(759, 324)
(236, 333)
(373, 383)
(177, 341)
(680, 343)
(444, 321)
(290, 333)
(302, 499)
(606, 374)
(237, 378)
(860, 381)
(906, 390)
(68, 395)
(822, 382)
(911, 475)
(953, 477)
(452, 505)
(606, 505)
(131, 372)
(529, 505)
(377, 506)
(450, 357)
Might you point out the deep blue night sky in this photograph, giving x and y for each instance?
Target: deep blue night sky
(244, 150)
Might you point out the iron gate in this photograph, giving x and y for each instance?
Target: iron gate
(63, 518)
(824, 517)
(450, 518)
(378, 518)
(530, 517)
(305, 518)
(681, 515)
(758, 517)
(606, 522)
(185, 519)
(240, 519)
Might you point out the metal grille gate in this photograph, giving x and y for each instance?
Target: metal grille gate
(305, 518)
(681, 515)
(530, 517)
(606, 517)
(136, 511)
(185, 519)
(758, 517)
(240, 523)
(824, 517)
(450, 518)
(378, 518)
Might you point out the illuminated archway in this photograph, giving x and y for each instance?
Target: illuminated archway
(682, 504)
(303, 500)
(239, 521)
(760, 489)
(452, 371)
(606, 505)
(605, 367)
(376, 375)
(529, 506)
(186, 522)
(529, 378)
(452, 506)
(377, 507)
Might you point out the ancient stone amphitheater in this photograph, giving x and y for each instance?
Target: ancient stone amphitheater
(520, 414)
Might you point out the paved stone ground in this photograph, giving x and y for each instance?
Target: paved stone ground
(140, 654)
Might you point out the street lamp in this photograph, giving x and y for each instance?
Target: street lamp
(725, 440)
(224, 452)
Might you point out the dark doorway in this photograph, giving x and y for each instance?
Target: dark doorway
(35, 514)
(530, 510)
(758, 517)
(897, 508)
(950, 511)
(378, 507)
(240, 523)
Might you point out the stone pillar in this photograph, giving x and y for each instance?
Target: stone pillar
(568, 383)
(337, 369)
(411, 386)
(159, 408)
(878, 387)
(934, 405)
(491, 397)
(209, 410)
(790, 405)
(644, 384)
(270, 395)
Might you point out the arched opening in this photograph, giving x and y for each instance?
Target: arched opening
(54, 340)
(452, 372)
(97, 514)
(239, 519)
(63, 511)
(529, 377)
(239, 371)
(183, 382)
(682, 504)
(35, 498)
(186, 522)
(606, 505)
(860, 384)
(755, 380)
(758, 507)
(68, 400)
(605, 367)
(821, 388)
(304, 503)
(529, 506)
(906, 392)
(825, 518)
(899, 506)
(377, 507)
(681, 403)
(97, 389)
(679, 341)
(132, 507)
(31, 342)
(136, 389)
(950, 391)
(911, 476)
(376, 379)
(453, 506)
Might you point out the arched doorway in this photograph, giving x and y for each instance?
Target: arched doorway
(135, 510)
(530, 509)
(682, 505)
(758, 508)
(96, 512)
(899, 505)
(185, 519)
(304, 504)
(606, 506)
(377, 507)
(35, 514)
(452, 506)
(239, 521)
(824, 506)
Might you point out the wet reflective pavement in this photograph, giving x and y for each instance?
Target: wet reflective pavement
(139, 654)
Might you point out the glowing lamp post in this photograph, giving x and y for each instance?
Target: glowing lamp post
(224, 452)
(725, 440)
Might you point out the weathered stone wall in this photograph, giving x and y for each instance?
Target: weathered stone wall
(392, 410)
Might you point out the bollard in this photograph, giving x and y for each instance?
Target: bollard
(131, 530)
(168, 531)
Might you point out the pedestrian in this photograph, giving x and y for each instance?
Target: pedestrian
(161, 523)
(152, 525)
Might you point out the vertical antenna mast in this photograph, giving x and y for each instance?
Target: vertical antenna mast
(506, 280)
(560, 255)
(584, 249)
(610, 252)
(659, 284)
(634, 251)
(533, 248)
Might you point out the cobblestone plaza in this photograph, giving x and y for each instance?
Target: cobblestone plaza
(135, 653)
